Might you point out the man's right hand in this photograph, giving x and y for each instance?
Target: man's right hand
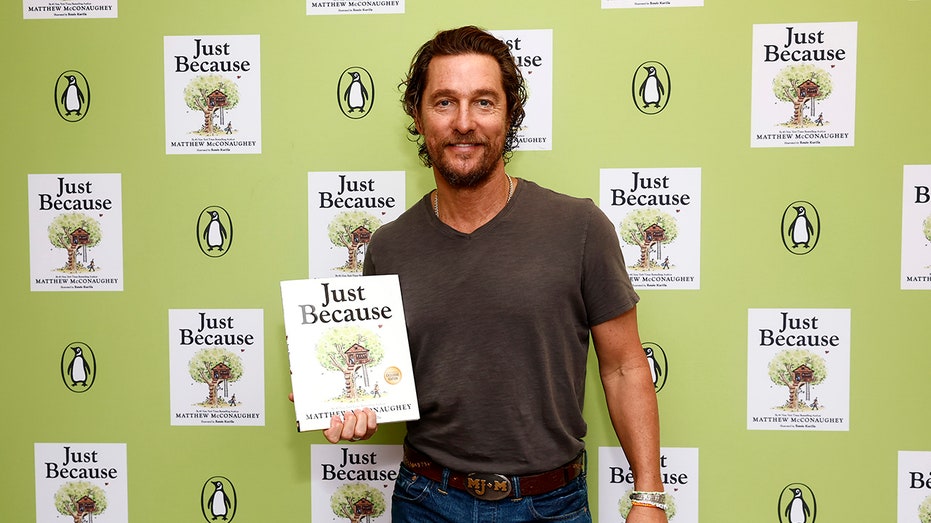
(355, 425)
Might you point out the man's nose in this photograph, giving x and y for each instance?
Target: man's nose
(465, 119)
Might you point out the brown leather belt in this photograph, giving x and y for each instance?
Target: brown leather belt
(492, 487)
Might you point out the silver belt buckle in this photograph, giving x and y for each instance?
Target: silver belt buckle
(488, 487)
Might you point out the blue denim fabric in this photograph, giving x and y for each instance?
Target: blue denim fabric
(417, 499)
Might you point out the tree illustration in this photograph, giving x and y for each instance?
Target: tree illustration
(782, 371)
(79, 499)
(72, 232)
(786, 88)
(624, 505)
(332, 355)
(215, 366)
(356, 501)
(926, 227)
(197, 96)
(924, 510)
(351, 230)
(634, 230)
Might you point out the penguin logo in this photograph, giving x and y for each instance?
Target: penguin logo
(651, 87)
(78, 367)
(214, 231)
(72, 96)
(356, 95)
(659, 365)
(355, 92)
(218, 499)
(797, 504)
(801, 227)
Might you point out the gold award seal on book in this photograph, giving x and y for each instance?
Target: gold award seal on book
(392, 375)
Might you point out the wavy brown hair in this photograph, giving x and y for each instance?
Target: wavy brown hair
(465, 40)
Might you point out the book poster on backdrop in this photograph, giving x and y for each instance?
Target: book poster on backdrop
(81, 482)
(619, 4)
(348, 349)
(798, 369)
(75, 232)
(69, 9)
(217, 366)
(352, 482)
(804, 85)
(213, 98)
(344, 209)
(532, 50)
(355, 7)
(679, 469)
(657, 215)
(914, 487)
(916, 228)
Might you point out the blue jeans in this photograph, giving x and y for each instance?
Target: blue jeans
(417, 499)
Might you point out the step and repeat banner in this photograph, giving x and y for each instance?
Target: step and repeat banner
(767, 168)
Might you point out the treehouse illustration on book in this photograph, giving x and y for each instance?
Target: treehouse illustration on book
(352, 231)
(649, 229)
(214, 367)
(352, 351)
(76, 233)
(212, 95)
(798, 370)
(926, 230)
(924, 511)
(803, 85)
(81, 500)
(357, 502)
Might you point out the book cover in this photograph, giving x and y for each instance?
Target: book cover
(532, 50)
(82, 482)
(213, 95)
(657, 215)
(347, 344)
(804, 85)
(798, 369)
(344, 209)
(69, 9)
(217, 367)
(618, 4)
(353, 482)
(75, 232)
(679, 469)
(916, 228)
(355, 7)
(914, 487)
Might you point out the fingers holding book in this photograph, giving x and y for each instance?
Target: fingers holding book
(355, 425)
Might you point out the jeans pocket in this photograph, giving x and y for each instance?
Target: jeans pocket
(569, 503)
(410, 486)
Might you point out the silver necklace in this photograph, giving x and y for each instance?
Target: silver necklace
(436, 197)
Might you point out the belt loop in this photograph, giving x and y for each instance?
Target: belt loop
(584, 463)
(515, 486)
(444, 485)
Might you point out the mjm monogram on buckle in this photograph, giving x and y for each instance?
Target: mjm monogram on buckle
(488, 487)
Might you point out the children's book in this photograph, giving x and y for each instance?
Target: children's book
(348, 348)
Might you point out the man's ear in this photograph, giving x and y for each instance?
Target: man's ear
(417, 124)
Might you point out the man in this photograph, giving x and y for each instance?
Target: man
(503, 281)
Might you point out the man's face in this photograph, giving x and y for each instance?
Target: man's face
(463, 118)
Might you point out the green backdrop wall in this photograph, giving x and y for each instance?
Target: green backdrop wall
(857, 189)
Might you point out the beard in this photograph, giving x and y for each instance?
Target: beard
(446, 163)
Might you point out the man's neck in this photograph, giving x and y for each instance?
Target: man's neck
(467, 209)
